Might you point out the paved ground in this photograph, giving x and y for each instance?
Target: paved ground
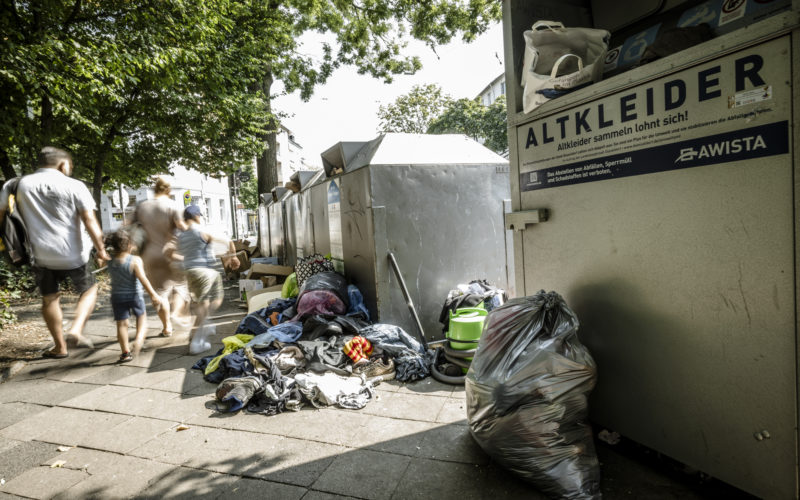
(148, 429)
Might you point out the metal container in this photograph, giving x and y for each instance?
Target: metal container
(436, 202)
(277, 224)
(263, 228)
(302, 219)
(662, 204)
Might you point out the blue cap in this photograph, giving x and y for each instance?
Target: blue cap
(191, 212)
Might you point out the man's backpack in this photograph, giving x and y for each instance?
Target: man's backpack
(13, 233)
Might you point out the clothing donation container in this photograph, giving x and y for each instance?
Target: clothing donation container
(435, 201)
(662, 203)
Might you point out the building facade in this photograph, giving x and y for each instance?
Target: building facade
(492, 91)
(188, 187)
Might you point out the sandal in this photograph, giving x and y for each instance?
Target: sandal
(53, 355)
(165, 333)
(125, 357)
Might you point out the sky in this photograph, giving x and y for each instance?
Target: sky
(345, 107)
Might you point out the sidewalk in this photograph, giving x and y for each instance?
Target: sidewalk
(149, 429)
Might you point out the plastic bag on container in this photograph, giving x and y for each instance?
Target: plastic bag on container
(558, 60)
(526, 396)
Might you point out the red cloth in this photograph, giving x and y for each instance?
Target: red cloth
(358, 348)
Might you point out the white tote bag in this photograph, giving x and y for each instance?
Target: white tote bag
(559, 59)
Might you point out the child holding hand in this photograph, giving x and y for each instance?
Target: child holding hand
(127, 279)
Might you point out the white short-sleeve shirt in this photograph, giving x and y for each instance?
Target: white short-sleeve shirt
(50, 204)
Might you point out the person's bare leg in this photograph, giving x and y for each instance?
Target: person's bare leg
(122, 335)
(83, 309)
(200, 314)
(51, 312)
(141, 330)
(164, 315)
(179, 310)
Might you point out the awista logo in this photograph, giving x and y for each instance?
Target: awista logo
(722, 148)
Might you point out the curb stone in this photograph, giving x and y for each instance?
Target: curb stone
(8, 372)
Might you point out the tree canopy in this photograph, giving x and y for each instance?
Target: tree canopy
(131, 86)
(485, 124)
(426, 109)
(413, 112)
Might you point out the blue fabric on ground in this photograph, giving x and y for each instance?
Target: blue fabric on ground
(356, 302)
(409, 354)
(257, 322)
(285, 332)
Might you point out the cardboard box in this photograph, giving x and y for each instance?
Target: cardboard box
(269, 281)
(249, 285)
(259, 270)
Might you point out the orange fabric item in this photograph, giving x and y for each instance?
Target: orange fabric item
(273, 318)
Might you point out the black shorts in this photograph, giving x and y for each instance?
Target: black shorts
(124, 306)
(48, 280)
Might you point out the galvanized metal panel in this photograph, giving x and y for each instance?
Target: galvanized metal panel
(263, 230)
(319, 218)
(358, 244)
(444, 223)
(684, 282)
(291, 209)
(276, 233)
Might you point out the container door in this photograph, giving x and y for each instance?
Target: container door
(671, 234)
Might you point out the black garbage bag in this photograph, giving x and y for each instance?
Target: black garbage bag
(326, 280)
(526, 396)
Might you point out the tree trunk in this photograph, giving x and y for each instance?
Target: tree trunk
(5, 164)
(47, 121)
(99, 164)
(267, 161)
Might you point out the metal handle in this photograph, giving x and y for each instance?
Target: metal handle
(518, 221)
(407, 296)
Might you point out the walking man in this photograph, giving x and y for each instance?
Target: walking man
(55, 209)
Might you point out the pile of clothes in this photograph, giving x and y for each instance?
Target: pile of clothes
(318, 347)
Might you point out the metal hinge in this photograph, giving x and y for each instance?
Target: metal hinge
(517, 221)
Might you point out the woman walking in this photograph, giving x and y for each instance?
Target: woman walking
(160, 218)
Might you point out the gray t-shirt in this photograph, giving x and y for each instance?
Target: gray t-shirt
(50, 204)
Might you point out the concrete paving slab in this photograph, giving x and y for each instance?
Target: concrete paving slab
(453, 411)
(184, 483)
(11, 413)
(180, 363)
(8, 496)
(110, 475)
(43, 482)
(390, 435)
(364, 474)
(152, 359)
(110, 374)
(91, 400)
(428, 386)
(451, 443)
(280, 424)
(256, 489)
(325, 426)
(144, 379)
(182, 382)
(321, 495)
(425, 479)
(152, 404)
(18, 456)
(41, 391)
(407, 406)
(63, 426)
(127, 435)
(261, 456)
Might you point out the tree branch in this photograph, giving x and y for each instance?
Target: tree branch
(76, 7)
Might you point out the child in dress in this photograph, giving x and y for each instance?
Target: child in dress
(127, 279)
(205, 283)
